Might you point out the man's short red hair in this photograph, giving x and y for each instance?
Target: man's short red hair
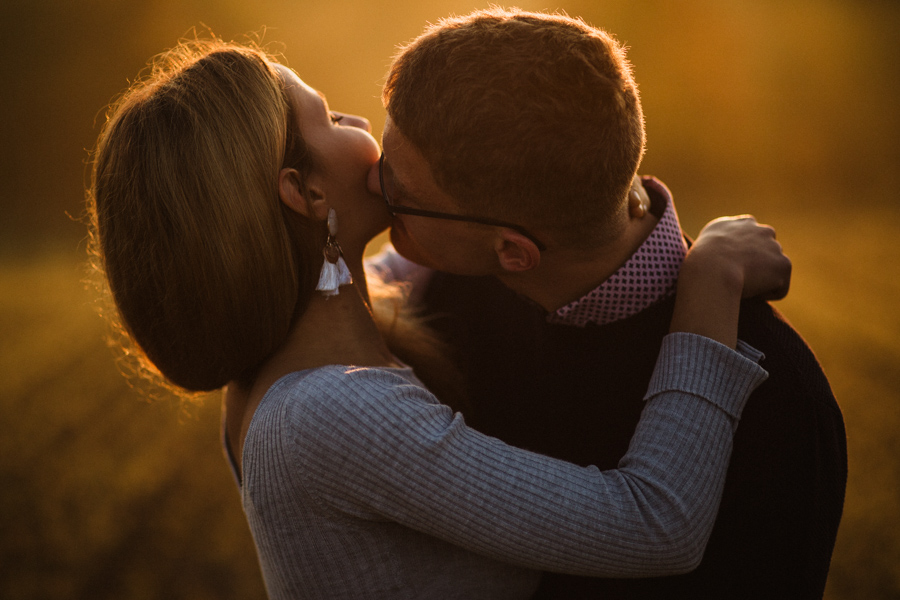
(529, 117)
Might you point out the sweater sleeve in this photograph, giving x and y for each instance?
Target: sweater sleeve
(371, 445)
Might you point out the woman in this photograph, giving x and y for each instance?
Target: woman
(216, 190)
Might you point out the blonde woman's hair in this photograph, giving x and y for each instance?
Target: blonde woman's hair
(206, 267)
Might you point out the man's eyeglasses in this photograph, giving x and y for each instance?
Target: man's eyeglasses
(416, 212)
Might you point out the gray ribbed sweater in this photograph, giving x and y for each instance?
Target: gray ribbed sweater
(359, 484)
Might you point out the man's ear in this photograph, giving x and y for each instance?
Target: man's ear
(638, 200)
(306, 200)
(516, 253)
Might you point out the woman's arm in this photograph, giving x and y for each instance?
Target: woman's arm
(374, 447)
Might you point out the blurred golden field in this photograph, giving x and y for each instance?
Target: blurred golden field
(785, 109)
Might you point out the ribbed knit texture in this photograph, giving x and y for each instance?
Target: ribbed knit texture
(359, 484)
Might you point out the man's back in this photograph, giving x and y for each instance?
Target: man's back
(576, 393)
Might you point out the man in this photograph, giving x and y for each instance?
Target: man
(511, 150)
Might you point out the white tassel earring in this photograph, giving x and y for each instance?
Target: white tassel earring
(334, 270)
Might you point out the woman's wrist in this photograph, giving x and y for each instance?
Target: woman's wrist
(709, 298)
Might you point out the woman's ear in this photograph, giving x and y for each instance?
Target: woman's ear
(290, 191)
(306, 200)
(516, 253)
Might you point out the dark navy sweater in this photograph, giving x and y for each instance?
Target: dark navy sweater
(576, 394)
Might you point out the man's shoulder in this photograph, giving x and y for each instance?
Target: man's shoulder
(793, 417)
(789, 359)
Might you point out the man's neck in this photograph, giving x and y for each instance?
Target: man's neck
(566, 275)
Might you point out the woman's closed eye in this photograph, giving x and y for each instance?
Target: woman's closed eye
(336, 119)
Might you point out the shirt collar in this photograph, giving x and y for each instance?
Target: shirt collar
(650, 275)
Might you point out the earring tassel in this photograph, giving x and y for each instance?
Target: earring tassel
(334, 270)
(334, 275)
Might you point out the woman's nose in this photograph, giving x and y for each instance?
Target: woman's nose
(354, 121)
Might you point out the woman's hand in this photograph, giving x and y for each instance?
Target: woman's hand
(732, 258)
(750, 250)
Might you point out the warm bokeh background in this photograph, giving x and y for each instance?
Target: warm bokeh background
(786, 109)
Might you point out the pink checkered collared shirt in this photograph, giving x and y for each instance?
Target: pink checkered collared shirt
(650, 275)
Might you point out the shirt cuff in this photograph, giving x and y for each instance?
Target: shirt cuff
(697, 365)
